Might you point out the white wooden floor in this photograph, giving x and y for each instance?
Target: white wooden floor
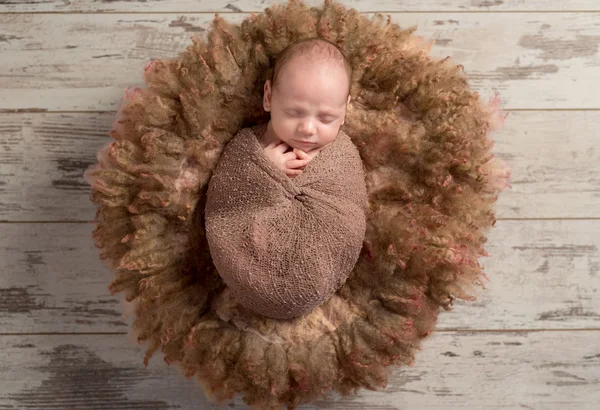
(532, 340)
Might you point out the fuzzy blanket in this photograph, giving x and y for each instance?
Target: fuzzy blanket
(284, 246)
(432, 183)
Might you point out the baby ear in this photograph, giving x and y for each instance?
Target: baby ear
(347, 102)
(267, 96)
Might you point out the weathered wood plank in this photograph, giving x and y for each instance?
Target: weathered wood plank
(85, 61)
(188, 6)
(553, 154)
(543, 275)
(51, 280)
(43, 157)
(541, 370)
(89, 372)
(555, 164)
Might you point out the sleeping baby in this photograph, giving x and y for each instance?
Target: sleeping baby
(307, 97)
(286, 205)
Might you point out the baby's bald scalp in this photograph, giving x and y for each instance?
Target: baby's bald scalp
(316, 48)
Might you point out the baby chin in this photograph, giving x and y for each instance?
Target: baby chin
(305, 146)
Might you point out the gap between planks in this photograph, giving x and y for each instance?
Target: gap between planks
(44, 111)
(498, 219)
(442, 330)
(256, 12)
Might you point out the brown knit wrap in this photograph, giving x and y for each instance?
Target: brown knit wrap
(284, 246)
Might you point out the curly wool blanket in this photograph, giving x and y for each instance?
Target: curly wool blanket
(284, 246)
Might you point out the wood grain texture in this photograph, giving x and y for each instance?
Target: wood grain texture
(136, 6)
(42, 160)
(51, 280)
(543, 275)
(553, 154)
(72, 62)
(555, 162)
(80, 55)
(89, 372)
(539, 370)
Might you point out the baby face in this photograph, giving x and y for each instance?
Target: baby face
(308, 104)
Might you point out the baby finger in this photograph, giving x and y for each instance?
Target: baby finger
(297, 163)
(289, 155)
(300, 153)
(293, 172)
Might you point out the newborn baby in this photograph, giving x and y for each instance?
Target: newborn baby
(307, 97)
(284, 234)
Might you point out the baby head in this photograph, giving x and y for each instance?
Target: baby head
(307, 94)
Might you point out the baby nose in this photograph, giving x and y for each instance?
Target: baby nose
(307, 126)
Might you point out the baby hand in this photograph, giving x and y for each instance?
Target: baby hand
(303, 156)
(287, 162)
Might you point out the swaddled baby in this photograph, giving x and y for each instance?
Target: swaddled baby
(285, 211)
